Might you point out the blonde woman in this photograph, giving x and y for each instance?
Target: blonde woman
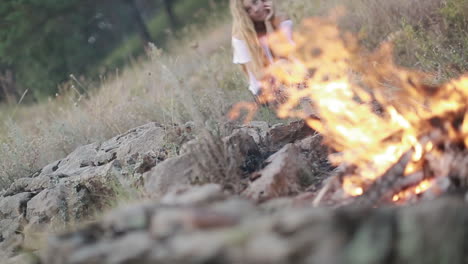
(253, 20)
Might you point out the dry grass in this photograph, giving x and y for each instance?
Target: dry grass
(218, 162)
(201, 84)
(430, 35)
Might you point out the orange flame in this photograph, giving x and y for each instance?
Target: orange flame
(345, 85)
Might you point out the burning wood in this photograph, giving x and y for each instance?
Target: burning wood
(383, 187)
(413, 146)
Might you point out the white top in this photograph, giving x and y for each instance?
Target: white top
(242, 54)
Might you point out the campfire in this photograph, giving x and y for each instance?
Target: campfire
(396, 137)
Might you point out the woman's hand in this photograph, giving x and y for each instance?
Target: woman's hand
(271, 10)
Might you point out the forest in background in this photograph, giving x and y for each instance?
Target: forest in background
(43, 42)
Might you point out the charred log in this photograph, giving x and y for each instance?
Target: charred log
(385, 186)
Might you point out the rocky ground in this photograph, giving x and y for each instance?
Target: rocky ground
(243, 198)
(148, 163)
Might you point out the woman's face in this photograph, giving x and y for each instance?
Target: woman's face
(256, 10)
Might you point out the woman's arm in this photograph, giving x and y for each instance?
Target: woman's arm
(276, 21)
(269, 19)
(287, 27)
(243, 58)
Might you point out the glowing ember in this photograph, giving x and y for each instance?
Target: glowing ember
(351, 186)
(409, 193)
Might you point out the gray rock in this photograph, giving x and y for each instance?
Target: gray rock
(258, 130)
(124, 148)
(9, 245)
(179, 220)
(236, 207)
(194, 195)
(129, 218)
(127, 147)
(83, 156)
(282, 134)
(242, 142)
(68, 190)
(199, 247)
(146, 162)
(48, 205)
(10, 238)
(277, 204)
(42, 182)
(167, 175)
(73, 198)
(292, 235)
(267, 248)
(316, 166)
(13, 206)
(131, 248)
(61, 247)
(141, 246)
(50, 168)
(20, 259)
(71, 188)
(12, 212)
(18, 186)
(309, 143)
(9, 227)
(278, 178)
(169, 221)
(188, 146)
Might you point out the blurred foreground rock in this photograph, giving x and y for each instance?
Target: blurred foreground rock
(234, 230)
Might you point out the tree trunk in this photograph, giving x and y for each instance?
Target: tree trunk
(168, 7)
(144, 31)
(8, 87)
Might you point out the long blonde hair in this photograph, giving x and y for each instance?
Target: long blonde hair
(243, 28)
